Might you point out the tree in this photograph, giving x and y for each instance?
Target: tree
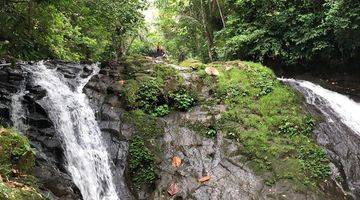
(69, 30)
(192, 23)
(306, 33)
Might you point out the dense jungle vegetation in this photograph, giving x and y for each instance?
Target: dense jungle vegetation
(285, 32)
(68, 30)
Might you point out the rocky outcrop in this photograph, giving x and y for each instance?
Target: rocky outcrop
(50, 170)
(230, 177)
(103, 92)
(219, 162)
(342, 146)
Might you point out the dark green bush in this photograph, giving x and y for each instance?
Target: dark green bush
(183, 100)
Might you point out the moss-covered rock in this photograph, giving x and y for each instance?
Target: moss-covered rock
(157, 91)
(263, 123)
(266, 117)
(17, 160)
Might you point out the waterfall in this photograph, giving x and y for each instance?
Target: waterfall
(344, 107)
(68, 108)
(340, 133)
(17, 110)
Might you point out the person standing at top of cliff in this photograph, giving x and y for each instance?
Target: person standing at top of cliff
(160, 53)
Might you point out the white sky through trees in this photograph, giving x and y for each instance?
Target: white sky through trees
(151, 14)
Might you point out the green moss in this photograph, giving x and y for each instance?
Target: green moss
(141, 163)
(129, 94)
(145, 125)
(9, 193)
(143, 150)
(266, 117)
(157, 92)
(192, 63)
(17, 160)
(15, 152)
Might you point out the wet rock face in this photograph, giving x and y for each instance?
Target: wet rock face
(342, 146)
(49, 169)
(202, 157)
(103, 93)
(230, 177)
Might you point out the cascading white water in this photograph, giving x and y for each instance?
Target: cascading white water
(346, 109)
(17, 111)
(87, 158)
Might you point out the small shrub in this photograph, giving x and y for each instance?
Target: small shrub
(289, 128)
(148, 95)
(161, 111)
(265, 86)
(183, 100)
(211, 133)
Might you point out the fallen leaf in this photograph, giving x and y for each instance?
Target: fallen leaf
(204, 179)
(176, 161)
(212, 71)
(122, 82)
(173, 189)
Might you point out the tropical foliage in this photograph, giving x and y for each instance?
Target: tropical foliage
(281, 32)
(68, 30)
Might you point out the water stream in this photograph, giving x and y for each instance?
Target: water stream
(340, 134)
(74, 120)
(344, 107)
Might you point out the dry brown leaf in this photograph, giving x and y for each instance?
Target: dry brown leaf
(204, 179)
(212, 71)
(173, 189)
(176, 161)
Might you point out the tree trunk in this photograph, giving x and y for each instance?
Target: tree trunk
(221, 13)
(207, 32)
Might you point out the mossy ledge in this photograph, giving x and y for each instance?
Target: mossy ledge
(17, 160)
(267, 119)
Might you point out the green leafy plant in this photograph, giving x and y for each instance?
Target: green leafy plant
(161, 111)
(314, 162)
(141, 163)
(183, 100)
